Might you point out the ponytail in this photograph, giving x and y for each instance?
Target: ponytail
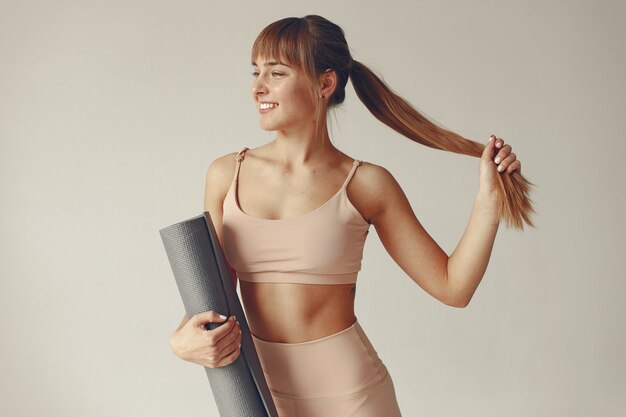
(315, 44)
(515, 206)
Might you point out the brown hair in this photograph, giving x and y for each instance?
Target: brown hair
(315, 45)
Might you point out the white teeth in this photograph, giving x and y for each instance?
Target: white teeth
(264, 106)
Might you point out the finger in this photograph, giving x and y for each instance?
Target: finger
(516, 165)
(215, 335)
(506, 162)
(231, 357)
(217, 360)
(489, 149)
(503, 153)
(228, 342)
(218, 349)
(201, 319)
(499, 143)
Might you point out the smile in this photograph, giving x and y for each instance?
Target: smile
(265, 106)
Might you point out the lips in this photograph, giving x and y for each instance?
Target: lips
(266, 106)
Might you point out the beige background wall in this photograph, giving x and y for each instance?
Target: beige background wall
(110, 112)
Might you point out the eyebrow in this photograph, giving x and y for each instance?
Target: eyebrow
(271, 63)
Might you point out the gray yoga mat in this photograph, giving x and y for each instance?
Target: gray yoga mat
(204, 283)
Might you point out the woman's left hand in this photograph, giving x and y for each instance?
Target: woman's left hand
(497, 158)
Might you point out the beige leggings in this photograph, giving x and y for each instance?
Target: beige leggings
(336, 376)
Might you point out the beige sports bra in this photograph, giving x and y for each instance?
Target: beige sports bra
(323, 246)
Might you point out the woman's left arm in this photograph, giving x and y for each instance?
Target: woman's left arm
(451, 279)
(468, 263)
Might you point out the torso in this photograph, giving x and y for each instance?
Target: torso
(297, 312)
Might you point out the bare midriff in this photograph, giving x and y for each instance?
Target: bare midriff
(296, 313)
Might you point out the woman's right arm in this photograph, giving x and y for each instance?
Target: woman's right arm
(191, 340)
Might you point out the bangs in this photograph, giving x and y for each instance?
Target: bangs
(287, 40)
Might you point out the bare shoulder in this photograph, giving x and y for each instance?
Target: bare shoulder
(219, 176)
(222, 168)
(372, 189)
(376, 177)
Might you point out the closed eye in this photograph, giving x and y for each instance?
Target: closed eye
(273, 74)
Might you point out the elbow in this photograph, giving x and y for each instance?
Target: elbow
(457, 299)
(457, 302)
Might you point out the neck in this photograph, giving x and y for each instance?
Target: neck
(302, 147)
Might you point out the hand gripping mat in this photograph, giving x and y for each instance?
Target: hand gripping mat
(204, 283)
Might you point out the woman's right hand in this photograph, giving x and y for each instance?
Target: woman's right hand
(192, 342)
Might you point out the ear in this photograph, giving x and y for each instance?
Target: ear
(327, 83)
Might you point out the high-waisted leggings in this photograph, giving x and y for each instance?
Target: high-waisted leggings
(336, 376)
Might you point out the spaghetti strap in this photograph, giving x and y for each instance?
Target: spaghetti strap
(240, 154)
(355, 164)
(239, 157)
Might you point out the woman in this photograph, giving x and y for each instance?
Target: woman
(293, 215)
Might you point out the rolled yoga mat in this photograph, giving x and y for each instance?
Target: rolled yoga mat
(204, 283)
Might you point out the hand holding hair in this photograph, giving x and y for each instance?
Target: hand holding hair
(497, 158)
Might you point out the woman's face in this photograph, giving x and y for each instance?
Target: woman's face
(282, 96)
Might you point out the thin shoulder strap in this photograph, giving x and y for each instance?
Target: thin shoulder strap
(239, 157)
(355, 164)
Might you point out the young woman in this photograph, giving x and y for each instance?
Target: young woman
(293, 215)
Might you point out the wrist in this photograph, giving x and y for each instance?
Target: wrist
(488, 198)
(175, 345)
(488, 205)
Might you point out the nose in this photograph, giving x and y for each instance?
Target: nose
(258, 87)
